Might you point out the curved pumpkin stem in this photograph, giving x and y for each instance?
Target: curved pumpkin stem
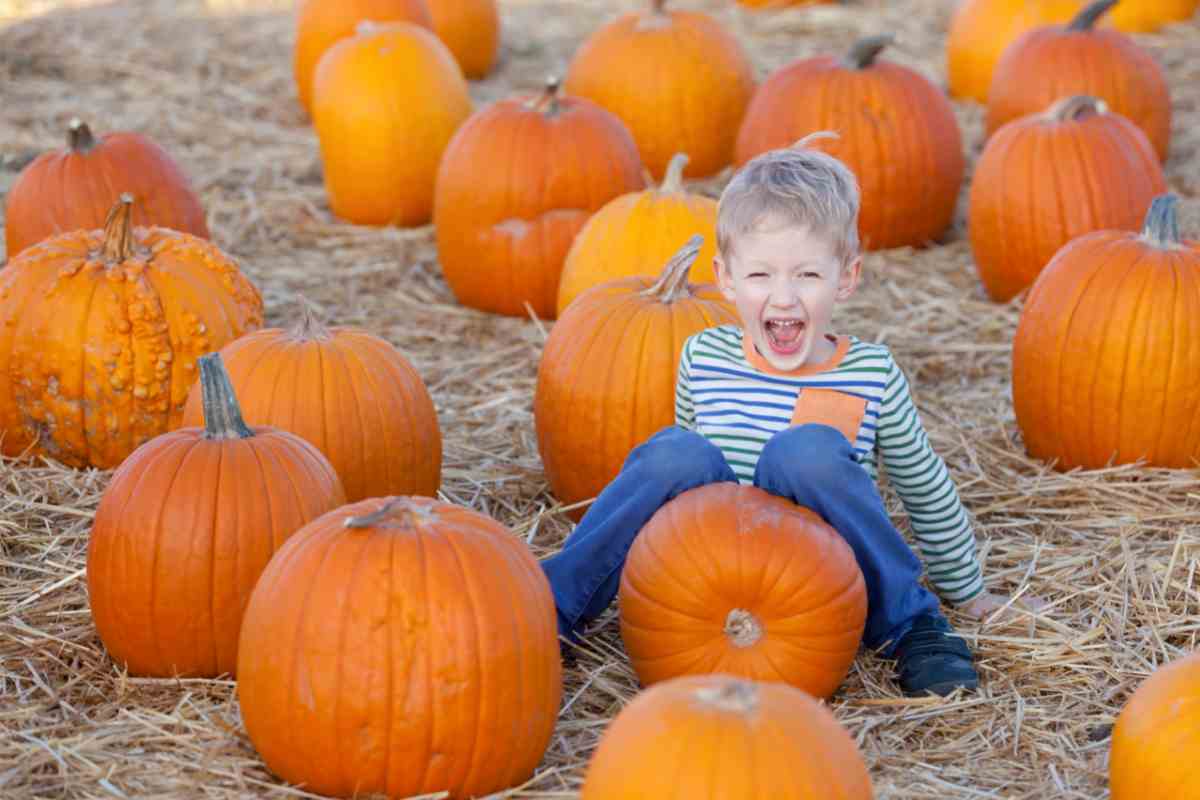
(397, 512)
(118, 230)
(222, 414)
(1070, 109)
(673, 180)
(1087, 18)
(672, 283)
(1162, 223)
(547, 102)
(865, 51)
(814, 136)
(79, 136)
(309, 328)
(734, 695)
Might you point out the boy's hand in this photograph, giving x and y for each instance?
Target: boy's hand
(987, 603)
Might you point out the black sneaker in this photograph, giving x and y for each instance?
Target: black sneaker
(932, 658)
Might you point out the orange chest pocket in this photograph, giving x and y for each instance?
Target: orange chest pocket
(830, 407)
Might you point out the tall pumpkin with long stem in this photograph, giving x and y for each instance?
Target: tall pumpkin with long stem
(186, 526)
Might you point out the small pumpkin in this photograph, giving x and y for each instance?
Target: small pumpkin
(350, 393)
(1053, 61)
(980, 30)
(185, 527)
(702, 83)
(1107, 350)
(320, 24)
(1045, 179)
(382, 138)
(896, 132)
(100, 332)
(1156, 733)
(716, 736)
(403, 646)
(471, 29)
(634, 234)
(74, 188)
(502, 234)
(608, 368)
(1143, 16)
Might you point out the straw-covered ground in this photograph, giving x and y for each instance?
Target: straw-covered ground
(1115, 552)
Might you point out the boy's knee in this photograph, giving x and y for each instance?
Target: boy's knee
(677, 457)
(811, 455)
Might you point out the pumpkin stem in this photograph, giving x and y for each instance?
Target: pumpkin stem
(738, 696)
(222, 414)
(1086, 19)
(547, 101)
(118, 230)
(865, 51)
(742, 627)
(814, 136)
(79, 136)
(1070, 109)
(1162, 223)
(672, 283)
(658, 6)
(396, 512)
(309, 328)
(673, 180)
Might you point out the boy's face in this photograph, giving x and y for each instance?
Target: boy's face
(784, 282)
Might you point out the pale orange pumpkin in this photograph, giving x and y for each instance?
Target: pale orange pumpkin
(636, 233)
(471, 29)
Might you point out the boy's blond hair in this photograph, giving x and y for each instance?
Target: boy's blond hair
(792, 186)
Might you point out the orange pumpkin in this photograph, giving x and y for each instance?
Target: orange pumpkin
(185, 527)
(980, 30)
(402, 646)
(1054, 61)
(701, 83)
(350, 393)
(471, 29)
(728, 578)
(382, 138)
(1107, 350)
(1045, 179)
(1141, 16)
(714, 736)
(100, 332)
(896, 132)
(320, 24)
(74, 188)
(784, 3)
(502, 234)
(608, 368)
(636, 233)
(1156, 734)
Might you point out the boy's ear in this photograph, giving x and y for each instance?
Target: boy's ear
(724, 278)
(848, 279)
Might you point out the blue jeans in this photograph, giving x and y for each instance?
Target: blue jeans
(811, 465)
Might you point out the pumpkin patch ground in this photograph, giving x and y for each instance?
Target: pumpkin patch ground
(1116, 551)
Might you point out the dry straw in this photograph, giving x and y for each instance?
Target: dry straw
(1115, 552)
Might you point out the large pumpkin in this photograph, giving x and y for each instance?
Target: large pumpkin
(606, 381)
(74, 188)
(980, 30)
(320, 24)
(403, 646)
(185, 527)
(100, 332)
(471, 29)
(1157, 736)
(1045, 179)
(678, 80)
(1054, 61)
(350, 393)
(1140, 16)
(1107, 350)
(896, 132)
(502, 234)
(728, 578)
(636, 233)
(715, 736)
(381, 137)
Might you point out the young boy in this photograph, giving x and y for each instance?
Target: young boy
(783, 403)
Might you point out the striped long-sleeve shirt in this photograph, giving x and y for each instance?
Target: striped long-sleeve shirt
(727, 392)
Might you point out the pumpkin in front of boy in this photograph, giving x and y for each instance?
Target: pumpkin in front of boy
(101, 331)
(1142, 16)
(1107, 350)
(717, 736)
(606, 381)
(679, 80)
(74, 188)
(386, 102)
(1156, 735)
(729, 578)
(1048, 178)
(1056, 61)
(185, 527)
(637, 232)
(471, 29)
(895, 130)
(403, 646)
(503, 234)
(350, 393)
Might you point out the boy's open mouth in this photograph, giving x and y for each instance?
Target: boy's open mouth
(785, 336)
